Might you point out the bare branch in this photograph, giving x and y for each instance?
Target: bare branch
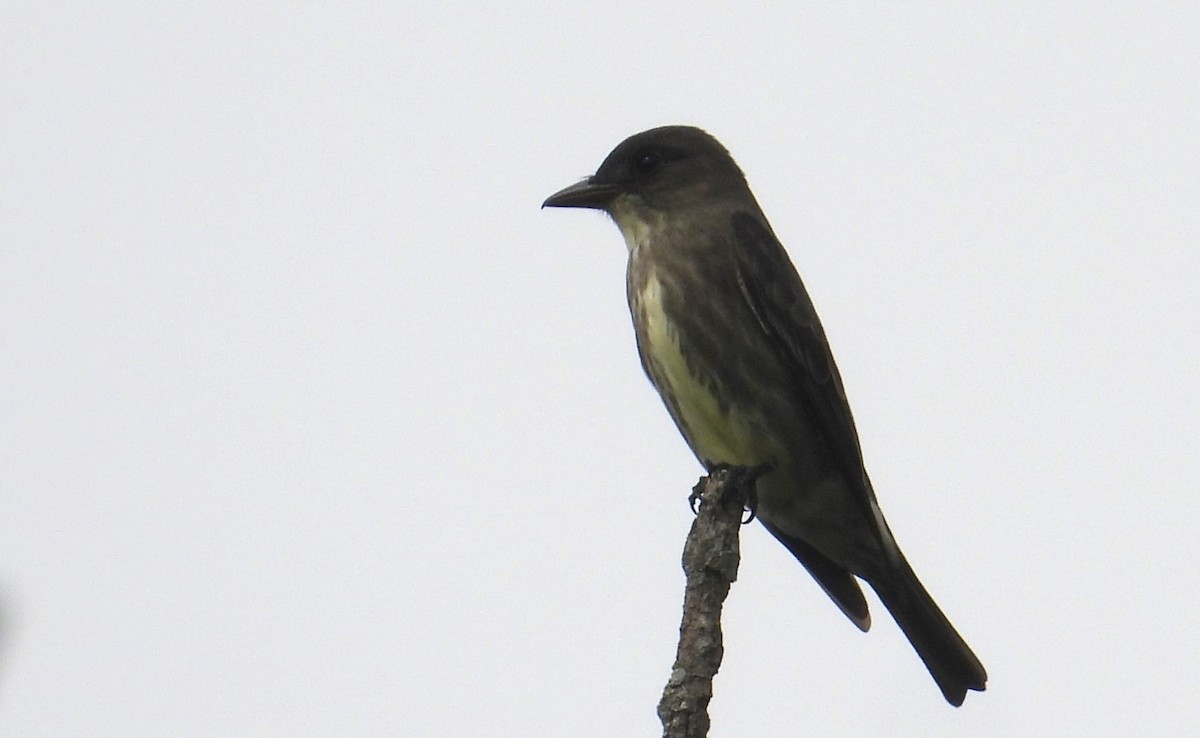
(710, 562)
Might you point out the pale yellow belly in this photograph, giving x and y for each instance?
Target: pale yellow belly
(720, 435)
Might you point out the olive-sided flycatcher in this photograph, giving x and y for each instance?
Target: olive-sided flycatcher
(729, 338)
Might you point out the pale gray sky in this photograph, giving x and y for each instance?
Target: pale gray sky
(312, 424)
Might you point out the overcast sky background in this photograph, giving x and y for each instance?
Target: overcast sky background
(313, 424)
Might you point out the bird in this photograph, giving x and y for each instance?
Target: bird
(728, 336)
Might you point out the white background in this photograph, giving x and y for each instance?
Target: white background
(313, 424)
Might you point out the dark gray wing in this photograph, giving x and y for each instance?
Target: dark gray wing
(841, 587)
(770, 284)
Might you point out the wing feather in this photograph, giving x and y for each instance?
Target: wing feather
(785, 313)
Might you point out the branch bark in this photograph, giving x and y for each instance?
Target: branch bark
(710, 562)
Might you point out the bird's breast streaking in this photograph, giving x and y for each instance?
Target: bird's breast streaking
(717, 433)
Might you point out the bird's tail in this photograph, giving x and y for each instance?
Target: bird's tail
(949, 659)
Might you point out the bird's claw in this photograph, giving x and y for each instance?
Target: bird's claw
(745, 477)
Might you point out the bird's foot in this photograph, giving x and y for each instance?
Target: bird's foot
(745, 477)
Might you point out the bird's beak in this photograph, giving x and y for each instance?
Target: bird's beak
(586, 193)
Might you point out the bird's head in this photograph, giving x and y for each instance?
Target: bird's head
(659, 169)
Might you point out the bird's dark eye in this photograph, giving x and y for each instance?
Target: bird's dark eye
(647, 162)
